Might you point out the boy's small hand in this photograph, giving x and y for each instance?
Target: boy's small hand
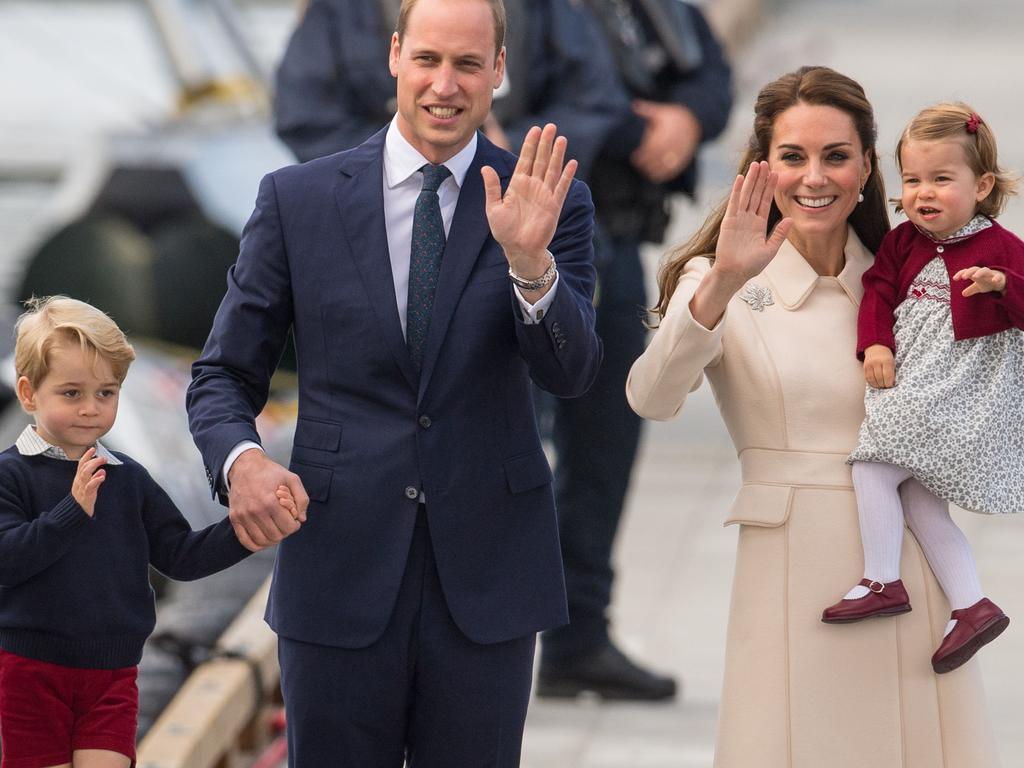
(286, 500)
(88, 479)
(879, 366)
(984, 280)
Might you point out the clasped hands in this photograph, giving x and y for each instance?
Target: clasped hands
(524, 219)
(266, 502)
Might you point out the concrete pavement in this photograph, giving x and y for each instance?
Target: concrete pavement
(675, 560)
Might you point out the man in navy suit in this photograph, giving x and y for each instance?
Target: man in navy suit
(407, 599)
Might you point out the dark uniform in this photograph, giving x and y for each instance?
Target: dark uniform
(665, 52)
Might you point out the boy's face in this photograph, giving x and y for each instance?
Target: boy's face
(76, 402)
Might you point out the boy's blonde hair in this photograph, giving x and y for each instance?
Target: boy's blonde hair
(953, 120)
(55, 320)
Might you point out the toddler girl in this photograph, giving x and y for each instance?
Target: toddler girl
(944, 418)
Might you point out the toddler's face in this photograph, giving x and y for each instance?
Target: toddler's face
(76, 402)
(940, 191)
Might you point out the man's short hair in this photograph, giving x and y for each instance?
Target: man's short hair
(55, 320)
(497, 12)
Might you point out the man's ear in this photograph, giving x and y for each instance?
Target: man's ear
(499, 68)
(26, 394)
(396, 50)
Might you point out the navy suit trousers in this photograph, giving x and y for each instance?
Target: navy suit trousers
(422, 693)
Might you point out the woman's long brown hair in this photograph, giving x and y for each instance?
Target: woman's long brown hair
(818, 86)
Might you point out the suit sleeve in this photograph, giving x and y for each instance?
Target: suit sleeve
(875, 319)
(673, 364)
(563, 351)
(231, 379)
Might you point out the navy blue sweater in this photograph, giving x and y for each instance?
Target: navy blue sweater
(75, 590)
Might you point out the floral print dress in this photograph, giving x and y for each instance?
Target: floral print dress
(955, 418)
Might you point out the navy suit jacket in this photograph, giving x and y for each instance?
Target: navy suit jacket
(371, 433)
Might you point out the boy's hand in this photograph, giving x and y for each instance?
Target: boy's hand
(287, 501)
(879, 366)
(257, 516)
(88, 479)
(984, 280)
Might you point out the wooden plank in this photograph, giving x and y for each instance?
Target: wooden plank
(203, 722)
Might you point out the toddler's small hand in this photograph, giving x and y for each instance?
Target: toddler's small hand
(984, 280)
(88, 479)
(879, 366)
(286, 500)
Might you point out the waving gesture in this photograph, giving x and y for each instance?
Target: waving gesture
(742, 248)
(523, 221)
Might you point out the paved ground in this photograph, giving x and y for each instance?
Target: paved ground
(675, 560)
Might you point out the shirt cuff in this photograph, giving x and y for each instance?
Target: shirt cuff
(237, 451)
(534, 313)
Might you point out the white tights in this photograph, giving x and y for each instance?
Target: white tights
(886, 497)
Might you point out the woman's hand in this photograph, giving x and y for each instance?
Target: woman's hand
(879, 366)
(984, 280)
(743, 250)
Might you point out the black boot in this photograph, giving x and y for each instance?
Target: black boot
(605, 671)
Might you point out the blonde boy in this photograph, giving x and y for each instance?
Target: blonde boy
(79, 527)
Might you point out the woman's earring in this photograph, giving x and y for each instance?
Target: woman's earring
(860, 197)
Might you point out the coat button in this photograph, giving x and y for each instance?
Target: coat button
(425, 422)
(940, 249)
(411, 492)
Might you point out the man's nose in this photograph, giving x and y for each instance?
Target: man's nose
(445, 83)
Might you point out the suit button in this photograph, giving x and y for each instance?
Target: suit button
(425, 422)
(411, 492)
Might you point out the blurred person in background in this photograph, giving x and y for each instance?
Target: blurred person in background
(677, 77)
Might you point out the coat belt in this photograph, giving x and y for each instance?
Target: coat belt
(798, 468)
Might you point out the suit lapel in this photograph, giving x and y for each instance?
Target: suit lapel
(359, 195)
(466, 239)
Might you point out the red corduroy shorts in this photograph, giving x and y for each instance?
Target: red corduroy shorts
(47, 711)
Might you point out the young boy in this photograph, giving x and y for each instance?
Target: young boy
(79, 526)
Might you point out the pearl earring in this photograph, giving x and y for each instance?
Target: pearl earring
(860, 197)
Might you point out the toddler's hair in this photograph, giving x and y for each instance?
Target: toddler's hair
(949, 120)
(54, 320)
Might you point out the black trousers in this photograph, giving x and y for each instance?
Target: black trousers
(422, 693)
(596, 438)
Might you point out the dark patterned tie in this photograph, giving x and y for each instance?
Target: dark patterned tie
(425, 260)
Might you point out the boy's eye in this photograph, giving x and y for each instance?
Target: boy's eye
(70, 393)
(107, 392)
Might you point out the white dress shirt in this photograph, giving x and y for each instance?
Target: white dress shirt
(403, 181)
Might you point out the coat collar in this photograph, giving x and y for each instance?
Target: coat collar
(793, 279)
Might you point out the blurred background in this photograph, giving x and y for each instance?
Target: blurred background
(133, 134)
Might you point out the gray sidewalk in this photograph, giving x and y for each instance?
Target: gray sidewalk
(675, 559)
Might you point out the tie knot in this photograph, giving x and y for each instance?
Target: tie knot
(433, 175)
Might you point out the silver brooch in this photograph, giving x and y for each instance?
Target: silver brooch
(757, 297)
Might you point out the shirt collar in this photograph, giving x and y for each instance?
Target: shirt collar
(793, 278)
(29, 443)
(977, 224)
(402, 160)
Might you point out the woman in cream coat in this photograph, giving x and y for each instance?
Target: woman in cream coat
(772, 323)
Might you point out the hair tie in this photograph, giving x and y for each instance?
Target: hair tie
(973, 123)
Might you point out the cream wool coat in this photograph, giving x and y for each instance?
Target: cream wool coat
(798, 693)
